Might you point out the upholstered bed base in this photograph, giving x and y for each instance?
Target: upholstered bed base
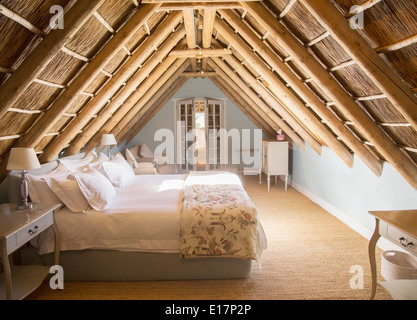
(106, 265)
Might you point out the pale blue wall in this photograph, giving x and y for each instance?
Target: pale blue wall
(199, 88)
(354, 191)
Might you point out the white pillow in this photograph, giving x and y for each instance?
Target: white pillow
(96, 188)
(118, 158)
(95, 164)
(146, 152)
(69, 193)
(75, 165)
(39, 191)
(116, 173)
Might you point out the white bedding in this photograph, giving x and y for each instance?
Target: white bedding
(145, 216)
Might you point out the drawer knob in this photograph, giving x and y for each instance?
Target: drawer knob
(34, 231)
(405, 243)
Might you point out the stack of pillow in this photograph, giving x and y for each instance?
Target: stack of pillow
(81, 184)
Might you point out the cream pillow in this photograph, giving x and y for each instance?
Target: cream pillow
(69, 193)
(131, 159)
(146, 152)
(39, 191)
(96, 188)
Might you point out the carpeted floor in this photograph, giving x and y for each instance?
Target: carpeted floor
(309, 257)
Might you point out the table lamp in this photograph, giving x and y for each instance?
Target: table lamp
(23, 159)
(108, 140)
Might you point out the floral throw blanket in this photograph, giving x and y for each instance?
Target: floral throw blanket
(218, 218)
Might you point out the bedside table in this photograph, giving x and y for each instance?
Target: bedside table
(399, 227)
(17, 227)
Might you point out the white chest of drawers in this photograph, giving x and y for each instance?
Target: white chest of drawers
(275, 160)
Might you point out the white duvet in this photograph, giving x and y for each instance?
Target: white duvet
(145, 216)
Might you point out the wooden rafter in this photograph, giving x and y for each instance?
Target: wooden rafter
(304, 92)
(151, 108)
(25, 23)
(246, 108)
(40, 57)
(332, 89)
(238, 85)
(129, 93)
(128, 110)
(250, 101)
(190, 29)
(61, 105)
(112, 87)
(283, 94)
(365, 57)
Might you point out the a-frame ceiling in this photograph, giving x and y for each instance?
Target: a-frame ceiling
(301, 66)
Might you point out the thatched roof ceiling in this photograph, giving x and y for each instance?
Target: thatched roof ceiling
(324, 74)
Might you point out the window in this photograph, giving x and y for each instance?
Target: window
(198, 144)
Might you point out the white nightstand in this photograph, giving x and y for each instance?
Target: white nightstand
(17, 227)
(400, 227)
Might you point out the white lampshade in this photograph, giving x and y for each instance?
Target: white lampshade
(108, 140)
(23, 159)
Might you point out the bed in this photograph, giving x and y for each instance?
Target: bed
(200, 225)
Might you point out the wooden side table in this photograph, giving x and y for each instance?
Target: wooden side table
(17, 227)
(400, 227)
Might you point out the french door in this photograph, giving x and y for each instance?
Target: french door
(198, 140)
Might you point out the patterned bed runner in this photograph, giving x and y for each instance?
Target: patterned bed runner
(218, 217)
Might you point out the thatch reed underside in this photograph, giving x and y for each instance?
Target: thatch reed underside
(360, 116)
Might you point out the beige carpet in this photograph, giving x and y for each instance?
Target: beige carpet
(310, 255)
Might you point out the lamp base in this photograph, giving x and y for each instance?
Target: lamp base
(25, 206)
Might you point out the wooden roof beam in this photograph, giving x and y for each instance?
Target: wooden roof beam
(362, 7)
(40, 57)
(190, 29)
(333, 90)
(287, 122)
(128, 93)
(25, 23)
(284, 94)
(365, 57)
(78, 85)
(151, 107)
(208, 24)
(303, 91)
(239, 89)
(200, 53)
(148, 92)
(112, 86)
(128, 110)
(199, 5)
(246, 108)
(250, 95)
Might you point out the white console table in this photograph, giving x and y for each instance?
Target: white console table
(400, 227)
